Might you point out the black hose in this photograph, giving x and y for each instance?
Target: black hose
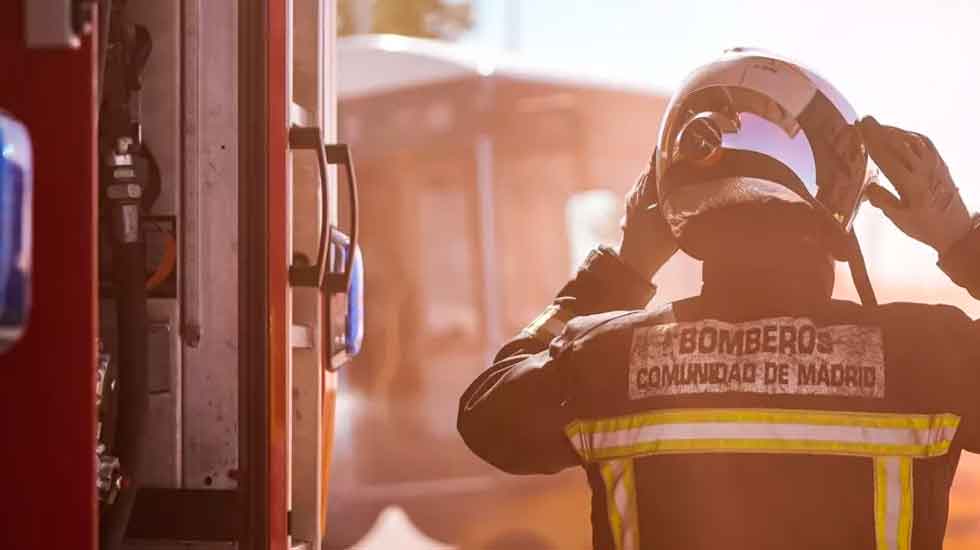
(129, 261)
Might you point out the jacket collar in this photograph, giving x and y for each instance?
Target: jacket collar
(789, 286)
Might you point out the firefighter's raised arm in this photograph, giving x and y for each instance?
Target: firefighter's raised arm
(930, 208)
(931, 211)
(514, 414)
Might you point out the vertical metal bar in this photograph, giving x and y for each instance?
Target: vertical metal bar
(320, 84)
(210, 377)
(328, 114)
(483, 155)
(285, 260)
(190, 280)
(306, 370)
(279, 56)
(253, 294)
(162, 121)
(512, 32)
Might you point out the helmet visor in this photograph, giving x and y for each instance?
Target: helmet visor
(787, 114)
(762, 136)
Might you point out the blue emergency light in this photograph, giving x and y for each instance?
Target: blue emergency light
(353, 321)
(355, 305)
(15, 228)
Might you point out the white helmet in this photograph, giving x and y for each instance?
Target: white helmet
(754, 127)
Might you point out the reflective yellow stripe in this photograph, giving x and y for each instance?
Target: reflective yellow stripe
(892, 440)
(771, 416)
(881, 503)
(610, 472)
(549, 324)
(631, 520)
(620, 482)
(760, 430)
(893, 503)
(906, 500)
(778, 446)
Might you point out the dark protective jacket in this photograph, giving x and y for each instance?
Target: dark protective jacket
(759, 415)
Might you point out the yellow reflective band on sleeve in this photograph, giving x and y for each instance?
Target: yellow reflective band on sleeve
(620, 483)
(549, 324)
(893, 503)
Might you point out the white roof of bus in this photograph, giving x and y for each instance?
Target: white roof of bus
(375, 64)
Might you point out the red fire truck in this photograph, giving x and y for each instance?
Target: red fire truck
(191, 267)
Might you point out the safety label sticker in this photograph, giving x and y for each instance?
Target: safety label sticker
(773, 356)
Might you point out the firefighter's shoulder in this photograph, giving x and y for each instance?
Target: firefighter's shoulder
(581, 330)
(939, 318)
(896, 315)
(930, 346)
(910, 328)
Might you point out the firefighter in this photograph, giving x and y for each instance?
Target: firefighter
(760, 414)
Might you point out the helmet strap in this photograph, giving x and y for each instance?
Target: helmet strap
(859, 271)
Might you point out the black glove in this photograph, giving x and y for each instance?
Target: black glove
(647, 241)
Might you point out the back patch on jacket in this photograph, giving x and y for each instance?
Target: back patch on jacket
(783, 355)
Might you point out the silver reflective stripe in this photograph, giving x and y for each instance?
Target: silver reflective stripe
(883, 437)
(893, 502)
(763, 430)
